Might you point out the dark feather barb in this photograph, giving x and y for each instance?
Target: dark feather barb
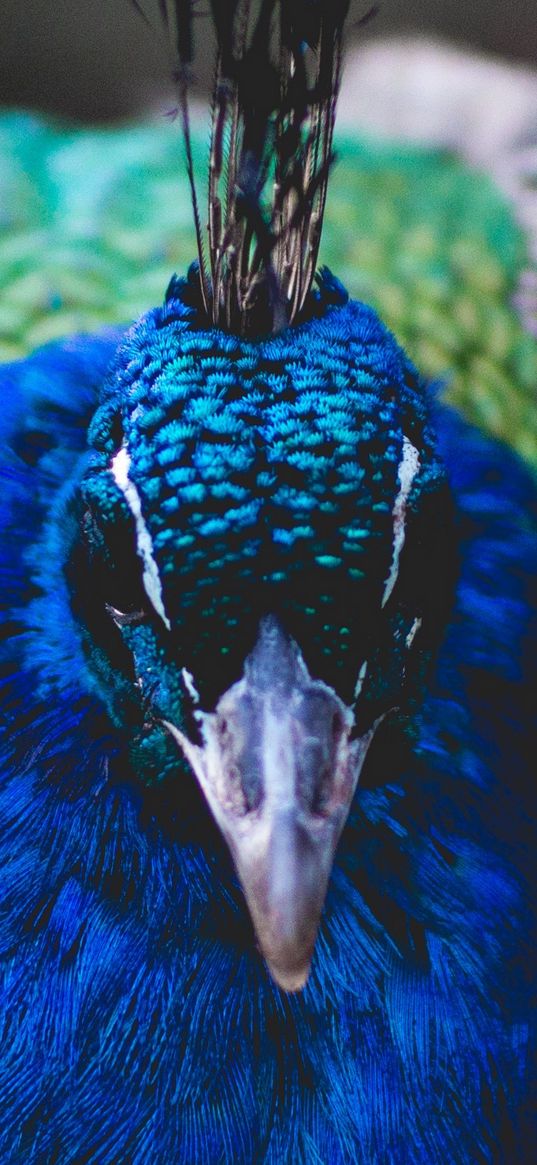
(273, 111)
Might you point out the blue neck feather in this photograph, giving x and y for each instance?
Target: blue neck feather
(409, 1041)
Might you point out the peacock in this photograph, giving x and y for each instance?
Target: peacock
(268, 664)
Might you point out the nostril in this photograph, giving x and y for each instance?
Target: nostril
(337, 727)
(321, 794)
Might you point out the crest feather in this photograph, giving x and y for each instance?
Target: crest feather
(276, 82)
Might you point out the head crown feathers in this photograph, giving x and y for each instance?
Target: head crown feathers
(273, 108)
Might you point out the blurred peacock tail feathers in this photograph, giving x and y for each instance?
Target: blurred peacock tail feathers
(276, 82)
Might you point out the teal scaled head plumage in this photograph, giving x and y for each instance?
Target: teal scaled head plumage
(231, 479)
(260, 554)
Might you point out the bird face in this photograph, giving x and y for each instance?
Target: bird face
(259, 577)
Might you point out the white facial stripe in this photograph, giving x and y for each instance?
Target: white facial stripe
(188, 680)
(413, 631)
(360, 681)
(144, 546)
(408, 468)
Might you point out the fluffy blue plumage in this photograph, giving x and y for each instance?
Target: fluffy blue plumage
(139, 1023)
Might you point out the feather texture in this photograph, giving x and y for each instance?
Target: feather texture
(123, 1038)
(273, 113)
(258, 448)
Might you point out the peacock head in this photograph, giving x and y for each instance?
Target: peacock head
(259, 577)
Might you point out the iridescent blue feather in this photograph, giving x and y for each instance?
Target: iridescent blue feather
(247, 558)
(138, 1020)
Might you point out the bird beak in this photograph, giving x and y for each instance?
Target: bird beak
(279, 771)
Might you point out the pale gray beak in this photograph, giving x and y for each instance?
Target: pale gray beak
(279, 771)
